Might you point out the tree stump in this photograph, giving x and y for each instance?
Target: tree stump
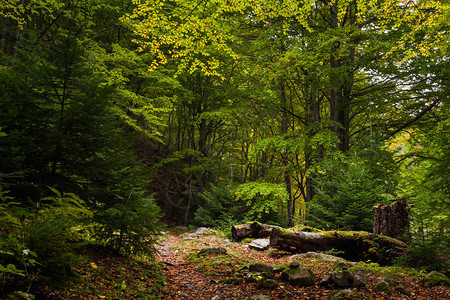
(392, 220)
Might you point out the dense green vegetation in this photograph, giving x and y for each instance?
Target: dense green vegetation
(116, 114)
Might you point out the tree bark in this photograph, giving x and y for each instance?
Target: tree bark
(354, 245)
(392, 220)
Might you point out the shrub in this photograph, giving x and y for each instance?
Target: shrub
(37, 244)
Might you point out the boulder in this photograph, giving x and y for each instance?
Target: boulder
(317, 255)
(261, 268)
(435, 278)
(259, 244)
(382, 286)
(341, 295)
(341, 277)
(212, 251)
(359, 279)
(269, 284)
(298, 276)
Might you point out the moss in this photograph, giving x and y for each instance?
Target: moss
(269, 284)
(381, 239)
(436, 278)
(383, 286)
(209, 233)
(246, 240)
(286, 231)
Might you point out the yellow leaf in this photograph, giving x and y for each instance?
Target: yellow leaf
(94, 266)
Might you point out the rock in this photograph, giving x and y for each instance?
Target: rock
(278, 268)
(192, 235)
(359, 279)
(300, 276)
(317, 255)
(215, 298)
(435, 278)
(383, 286)
(342, 278)
(269, 284)
(294, 265)
(259, 244)
(212, 251)
(259, 297)
(338, 279)
(261, 268)
(202, 230)
(402, 290)
(341, 295)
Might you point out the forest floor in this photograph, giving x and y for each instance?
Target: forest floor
(182, 274)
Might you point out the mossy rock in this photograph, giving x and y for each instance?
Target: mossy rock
(342, 295)
(435, 278)
(268, 284)
(383, 286)
(300, 276)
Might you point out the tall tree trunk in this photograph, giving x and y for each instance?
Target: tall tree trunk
(287, 178)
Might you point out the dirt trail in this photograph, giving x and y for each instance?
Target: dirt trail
(185, 280)
(192, 277)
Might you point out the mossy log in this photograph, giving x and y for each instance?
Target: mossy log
(353, 245)
(251, 230)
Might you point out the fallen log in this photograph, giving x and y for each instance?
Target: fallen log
(352, 245)
(254, 230)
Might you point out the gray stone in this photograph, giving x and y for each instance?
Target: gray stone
(322, 256)
(294, 265)
(215, 298)
(359, 279)
(342, 278)
(261, 268)
(202, 230)
(213, 251)
(338, 279)
(341, 295)
(259, 244)
(300, 276)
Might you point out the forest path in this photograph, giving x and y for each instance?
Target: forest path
(190, 276)
(191, 280)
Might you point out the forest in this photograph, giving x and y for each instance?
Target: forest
(125, 125)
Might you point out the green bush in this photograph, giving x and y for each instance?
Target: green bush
(130, 225)
(37, 244)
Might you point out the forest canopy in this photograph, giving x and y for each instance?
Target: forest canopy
(117, 114)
